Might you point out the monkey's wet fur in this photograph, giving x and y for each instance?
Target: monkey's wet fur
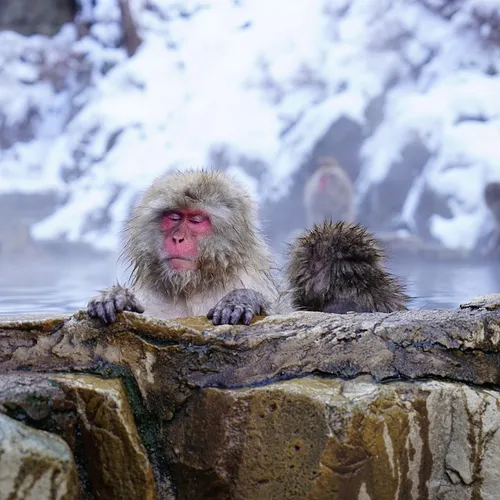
(337, 268)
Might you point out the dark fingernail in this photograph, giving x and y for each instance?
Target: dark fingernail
(248, 317)
(101, 314)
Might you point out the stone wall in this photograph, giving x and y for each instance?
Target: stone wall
(305, 406)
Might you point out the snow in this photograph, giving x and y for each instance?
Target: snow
(258, 80)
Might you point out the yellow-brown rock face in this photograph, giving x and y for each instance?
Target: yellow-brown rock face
(94, 417)
(321, 439)
(34, 464)
(304, 406)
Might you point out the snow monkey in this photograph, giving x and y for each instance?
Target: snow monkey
(492, 199)
(336, 268)
(329, 194)
(195, 248)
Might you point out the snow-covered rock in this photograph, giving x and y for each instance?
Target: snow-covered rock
(261, 88)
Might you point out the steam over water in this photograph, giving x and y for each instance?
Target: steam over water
(442, 285)
(57, 285)
(65, 285)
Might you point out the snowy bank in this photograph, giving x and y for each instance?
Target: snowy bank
(254, 87)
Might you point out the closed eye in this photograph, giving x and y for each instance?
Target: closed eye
(197, 219)
(174, 216)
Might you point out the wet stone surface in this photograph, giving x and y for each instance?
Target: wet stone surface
(307, 405)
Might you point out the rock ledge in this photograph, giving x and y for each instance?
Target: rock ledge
(307, 405)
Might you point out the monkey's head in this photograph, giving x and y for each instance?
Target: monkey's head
(327, 162)
(191, 230)
(328, 256)
(492, 194)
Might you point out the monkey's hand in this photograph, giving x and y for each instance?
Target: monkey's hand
(111, 301)
(241, 304)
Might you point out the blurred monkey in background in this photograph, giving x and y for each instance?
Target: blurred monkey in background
(492, 199)
(329, 194)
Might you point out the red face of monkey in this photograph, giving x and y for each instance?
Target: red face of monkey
(182, 230)
(324, 182)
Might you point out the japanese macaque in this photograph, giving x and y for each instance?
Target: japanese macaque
(492, 199)
(337, 268)
(195, 248)
(329, 194)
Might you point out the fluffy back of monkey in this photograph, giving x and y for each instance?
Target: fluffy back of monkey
(329, 194)
(337, 267)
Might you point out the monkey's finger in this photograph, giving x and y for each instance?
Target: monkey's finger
(216, 316)
(100, 312)
(121, 303)
(91, 310)
(109, 310)
(247, 318)
(226, 315)
(210, 313)
(236, 315)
